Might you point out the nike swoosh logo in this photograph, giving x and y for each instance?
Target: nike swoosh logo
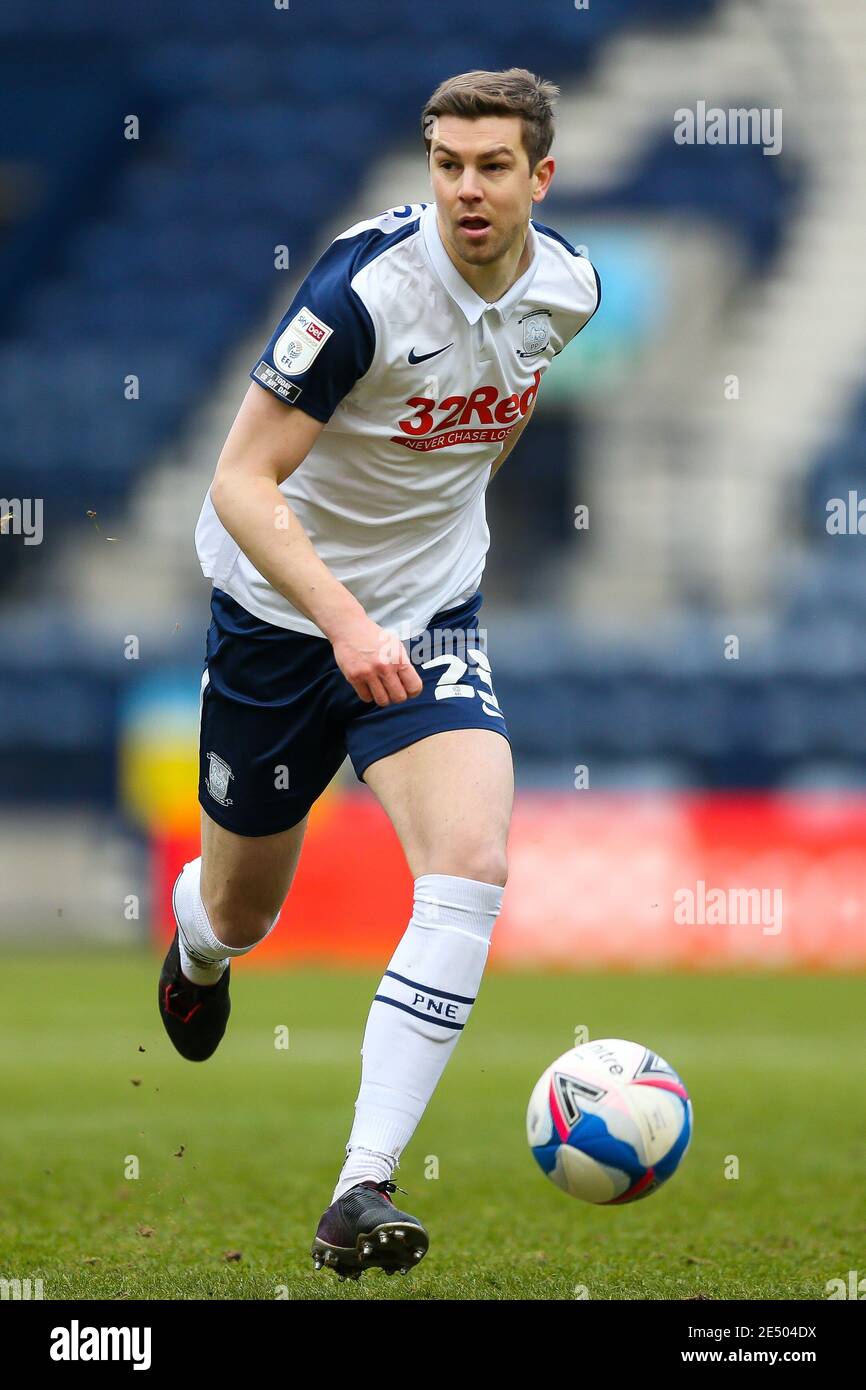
(424, 355)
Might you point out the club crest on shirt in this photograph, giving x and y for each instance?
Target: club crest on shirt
(218, 778)
(536, 333)
(300, 343)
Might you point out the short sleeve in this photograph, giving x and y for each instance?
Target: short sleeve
(325, 341)
(597, 279)
(589, 291)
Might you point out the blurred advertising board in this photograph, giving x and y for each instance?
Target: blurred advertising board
(597, 880)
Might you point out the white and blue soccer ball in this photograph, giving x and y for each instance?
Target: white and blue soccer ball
(609, 1121)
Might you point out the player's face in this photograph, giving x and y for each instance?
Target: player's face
(483, 185)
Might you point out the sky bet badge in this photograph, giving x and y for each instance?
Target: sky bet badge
(300, 342)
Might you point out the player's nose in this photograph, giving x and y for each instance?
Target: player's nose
(470, 189)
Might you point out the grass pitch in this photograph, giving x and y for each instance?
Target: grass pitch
(237, 1157)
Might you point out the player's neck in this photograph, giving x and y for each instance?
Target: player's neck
(491, 282)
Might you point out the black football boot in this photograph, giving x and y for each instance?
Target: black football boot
(364, 1230)
(195, 1016)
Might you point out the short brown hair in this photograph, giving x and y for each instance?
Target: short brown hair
(512, 92)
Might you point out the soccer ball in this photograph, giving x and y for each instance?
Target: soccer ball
(609, 1121)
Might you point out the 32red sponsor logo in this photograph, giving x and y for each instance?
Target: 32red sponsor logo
(462, 419)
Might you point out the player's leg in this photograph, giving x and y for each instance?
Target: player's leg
(255, 792)
(440, 763)
(229, 899)
(449, 797)
(267, 750)
(225, 902)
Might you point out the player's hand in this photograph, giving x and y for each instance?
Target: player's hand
(375, 663)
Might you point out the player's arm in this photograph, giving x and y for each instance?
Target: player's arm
(267, 442)
(510, 442)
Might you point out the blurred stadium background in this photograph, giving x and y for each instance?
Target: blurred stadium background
(683, 678)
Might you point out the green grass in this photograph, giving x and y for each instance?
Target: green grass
(776, 1068)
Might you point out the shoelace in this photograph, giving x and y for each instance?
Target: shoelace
(388, 1186)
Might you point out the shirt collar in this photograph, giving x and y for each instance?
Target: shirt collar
(472, 305)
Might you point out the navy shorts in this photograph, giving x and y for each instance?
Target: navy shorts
(278, 717)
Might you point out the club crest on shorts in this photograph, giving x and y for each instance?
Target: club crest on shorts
(536, 333)
(218, 778)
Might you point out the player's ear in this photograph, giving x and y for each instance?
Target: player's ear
(541, 178)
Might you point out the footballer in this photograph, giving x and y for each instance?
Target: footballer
(344, 529)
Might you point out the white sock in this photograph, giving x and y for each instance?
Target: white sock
(202, 957)
(416, 1017)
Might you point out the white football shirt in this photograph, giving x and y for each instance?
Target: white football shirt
(420, 382)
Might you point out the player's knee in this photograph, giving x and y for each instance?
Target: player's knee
(484, 863)
(239, 924)
(496, 870)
